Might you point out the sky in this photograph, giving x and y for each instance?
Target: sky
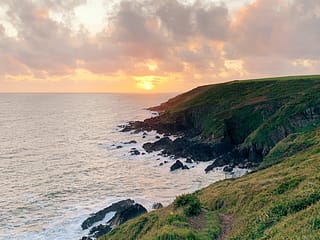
(151, 46)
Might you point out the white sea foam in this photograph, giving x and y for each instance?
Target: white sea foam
(59, 162)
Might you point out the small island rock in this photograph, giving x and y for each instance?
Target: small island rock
(177, 165)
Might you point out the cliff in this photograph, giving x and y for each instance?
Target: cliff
(252, 116)
(273, 122)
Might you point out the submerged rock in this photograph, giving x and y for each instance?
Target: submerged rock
(134, 152)
(228, 169)
(86, 238)
(131, 142)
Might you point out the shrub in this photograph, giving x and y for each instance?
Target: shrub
(288, 185)
(302, 203)
(315, 224)
(279, 210)
(194, 208)
(191, 204)
(183, 200)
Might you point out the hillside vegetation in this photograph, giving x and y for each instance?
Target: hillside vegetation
(253, 115)
(275, 120)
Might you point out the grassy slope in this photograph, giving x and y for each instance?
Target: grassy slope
(274, 203)
(252, 102)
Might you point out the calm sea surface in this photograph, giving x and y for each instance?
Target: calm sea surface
(59, 162)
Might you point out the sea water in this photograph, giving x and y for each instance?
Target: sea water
(63, 157)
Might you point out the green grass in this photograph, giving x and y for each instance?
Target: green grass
(273, 203)
(281, 198)
(190, 204)
(252, 113)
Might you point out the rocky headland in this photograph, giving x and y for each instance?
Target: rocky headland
(269, 125)
(234, 124)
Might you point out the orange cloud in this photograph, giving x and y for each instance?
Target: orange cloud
(157, 46)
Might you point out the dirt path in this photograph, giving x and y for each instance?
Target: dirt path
(198, 222)
(227, 222)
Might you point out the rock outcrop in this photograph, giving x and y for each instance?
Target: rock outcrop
(123, 211)
(251, 117)
(177, 165)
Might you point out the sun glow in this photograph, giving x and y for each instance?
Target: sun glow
(146, 83)
(148, 86)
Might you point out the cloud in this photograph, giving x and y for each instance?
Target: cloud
(176, 18)
(42, 44)
(213, 22)
(196, 42)
(287, 29)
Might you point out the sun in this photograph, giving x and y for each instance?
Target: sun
(145, 83)
(148, 86)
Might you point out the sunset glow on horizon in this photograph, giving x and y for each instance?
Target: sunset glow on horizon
(153, 46)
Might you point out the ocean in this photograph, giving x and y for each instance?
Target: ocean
(63, 157)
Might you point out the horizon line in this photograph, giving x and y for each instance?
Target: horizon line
(142, 93)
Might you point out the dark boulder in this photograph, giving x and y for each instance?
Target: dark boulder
(99, 216)
(177, 165)
(209, 168)
(163, 143)
(189, 160)
(99, 230)
(124, 211)
(134, 152)
(228, 169)
(157, 206)
(185, 167)
(126, 214)
(184, 147)
(232, 158)
(130, 142)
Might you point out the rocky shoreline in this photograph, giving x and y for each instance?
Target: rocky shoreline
(238, 134)
(181, 147)
(188, 145)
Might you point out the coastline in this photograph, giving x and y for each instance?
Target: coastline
(265, 133)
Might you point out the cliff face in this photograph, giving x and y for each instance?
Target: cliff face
(275, 122)
(251, 115)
